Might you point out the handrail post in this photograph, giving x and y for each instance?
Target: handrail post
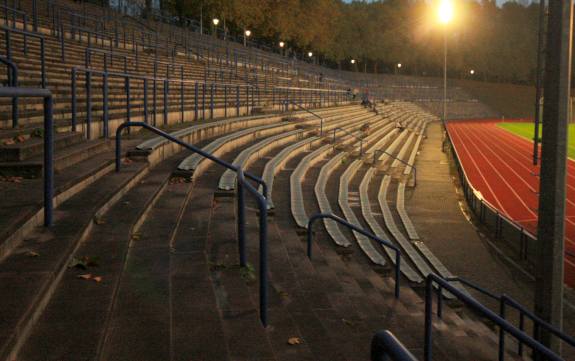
(88, 105)
(502, 331)
(166, 100)
(48, 161)
(428, 319)
(241, 222)
(74, 99)
(105, 104)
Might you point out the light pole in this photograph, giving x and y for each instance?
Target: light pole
(445, 13)
(353, 64)
(216, 21)
(282, 45)
(247, 34)
(310, 56)
(398, 68)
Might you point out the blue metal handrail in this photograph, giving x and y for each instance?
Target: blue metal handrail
(350, 134)
(385, 346)
(505, 300)
(263, 257)
(15, 92)
(383, 151)
(261, 198)
(372, 236)
(26, 34)
(13, 82)
(479, 308)
(288, 101)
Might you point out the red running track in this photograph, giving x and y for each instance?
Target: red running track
(499, 164)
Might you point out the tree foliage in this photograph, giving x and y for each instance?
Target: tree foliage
(499, 43)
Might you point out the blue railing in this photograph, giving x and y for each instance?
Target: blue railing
(350, 134)
(12, 92)
(288, 102)
(8, 31)
(382, 151)
(469, 301)
(505, 301)
(261, 198)
(372, 236)
(12, 82)
(385, 346)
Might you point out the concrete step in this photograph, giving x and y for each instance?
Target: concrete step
(32, 279)
(22, 148)
(63, 158)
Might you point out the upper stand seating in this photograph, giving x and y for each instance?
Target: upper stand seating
(142, 263)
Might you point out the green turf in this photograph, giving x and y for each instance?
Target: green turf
(526, 130)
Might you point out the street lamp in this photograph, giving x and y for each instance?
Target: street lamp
(471, 72)
(247, 34)
(282, 45)
(445, 14)
(216, 21)
(353, 61)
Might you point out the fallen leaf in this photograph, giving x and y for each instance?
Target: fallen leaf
(97, 279)
(294, 341)
(128, 161)
(99, 220)
(9, 142)
(20, 139)
(135, 236)
(86, 276)
(32, 254)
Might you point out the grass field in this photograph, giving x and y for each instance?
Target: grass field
(526, 130)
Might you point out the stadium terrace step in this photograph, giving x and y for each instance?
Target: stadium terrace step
(68, 155)
(22, 148)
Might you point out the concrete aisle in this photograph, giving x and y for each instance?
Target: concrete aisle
(436, 210)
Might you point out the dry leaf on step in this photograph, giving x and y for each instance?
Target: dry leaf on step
(294, 341)
(86, 276)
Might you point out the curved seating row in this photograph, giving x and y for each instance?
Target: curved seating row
(343, 200)
(376, 228)
(405, 244)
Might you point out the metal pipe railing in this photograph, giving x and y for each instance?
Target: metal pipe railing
(385, 346)
(12, 82)
(15, 92)
(372, 236)
(8, 31)
(350, 134)
(382, 151)
(287, 102)
(481, 309)
(242, 183)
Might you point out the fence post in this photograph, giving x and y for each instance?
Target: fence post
(212, 90)
(48, 162)
(237, 100)
(166, 101)
(105, 103)
(146, 100)
(196, 94)
(88, 105)
(74, 99)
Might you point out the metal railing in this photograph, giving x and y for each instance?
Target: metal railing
(382, 151)
(261, 198)
(12, 71)
(350, 134)
(48, 165)
(353, 227)
(288, 102)
(483, 311)
(520, 241)
(385, 346)
(8, 31)
(505, 301)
